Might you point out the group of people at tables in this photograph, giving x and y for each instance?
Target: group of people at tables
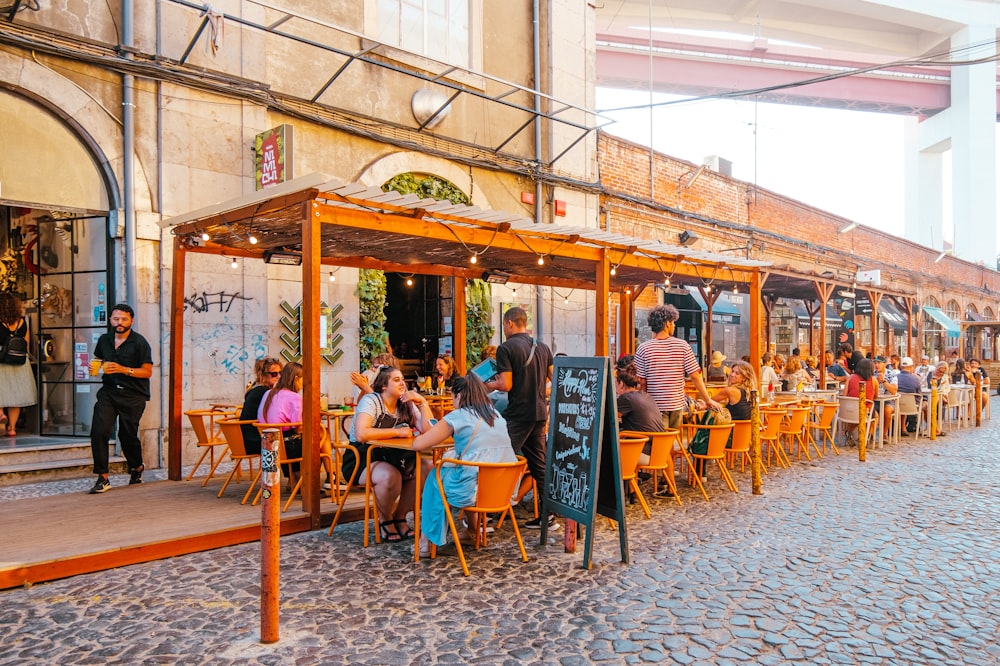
(388, 409)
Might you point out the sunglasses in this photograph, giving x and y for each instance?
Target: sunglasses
(274, 374)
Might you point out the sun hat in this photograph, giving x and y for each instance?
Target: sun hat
(718, 357)
(906, 361)
(879, 359)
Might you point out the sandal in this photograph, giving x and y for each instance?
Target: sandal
(11, 432)
(404, 532)
(391, 537)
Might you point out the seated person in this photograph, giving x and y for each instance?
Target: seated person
(984, 381)
(938, 378)
(769, 381)
(736, 396)
(480, 435)
(795, 377)
(445, 373)
(388, 412)
(283, 404)
(267, 371)
(886, 386)
(864, 375)
(716, 371)
(834, 370)
(362, 380)
(636, 409)
(909, 382)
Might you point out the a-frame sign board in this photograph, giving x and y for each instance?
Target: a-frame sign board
(583, 470)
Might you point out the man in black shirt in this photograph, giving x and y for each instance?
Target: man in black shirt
(524, 366)
(128, 365)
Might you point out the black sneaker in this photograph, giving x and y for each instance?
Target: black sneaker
(135, 475)
(536, 523)
(664, 492)
(102, 485)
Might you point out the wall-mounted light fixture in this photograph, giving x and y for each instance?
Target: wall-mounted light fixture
(496, 277)
(688, 238)
(849, 227)
(282, 258)
(942, 255)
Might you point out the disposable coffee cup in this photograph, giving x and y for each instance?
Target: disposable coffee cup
(95, 367)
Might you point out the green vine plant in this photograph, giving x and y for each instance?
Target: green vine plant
(478, 310)
(372, 336)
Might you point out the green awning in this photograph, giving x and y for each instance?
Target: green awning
(723, 311)
(950, 326)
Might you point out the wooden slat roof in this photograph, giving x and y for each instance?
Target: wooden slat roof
(364, 226)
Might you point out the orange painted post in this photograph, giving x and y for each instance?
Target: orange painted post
(569, 536)
(270, 533)
(933, 411)
(863, 421)
(757, 482)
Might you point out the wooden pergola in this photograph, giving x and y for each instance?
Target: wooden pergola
(329, 223)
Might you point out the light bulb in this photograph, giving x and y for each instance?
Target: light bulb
(409, 282)
(736, 289)
(474, 259)
(513, 293)
(566, 300)
(668, 282)
(235, 263)
(205, 237)
(613, 271)
(628, 290)
(541, 261)
(252, 239)
(333, 278)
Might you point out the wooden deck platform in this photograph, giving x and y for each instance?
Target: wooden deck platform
(64, 535)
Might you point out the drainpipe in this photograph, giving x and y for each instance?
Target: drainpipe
(165, 303)
(128, 148)
(537, 74)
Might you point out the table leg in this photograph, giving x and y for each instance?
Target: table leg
(416, 510)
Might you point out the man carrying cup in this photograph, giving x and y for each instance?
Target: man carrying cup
(128, 365)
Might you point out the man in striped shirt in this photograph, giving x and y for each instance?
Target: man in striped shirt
(664, 362)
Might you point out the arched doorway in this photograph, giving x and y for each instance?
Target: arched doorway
(55, 249)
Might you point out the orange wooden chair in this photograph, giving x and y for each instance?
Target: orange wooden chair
(769, 437)
(283, 458)
(740, 444)
(661, 456)
(497, 482)
(793, 431)
(823, 424)
(339, 487)
(718, 436)
(629, 450)
(209, 437)
(232, 431)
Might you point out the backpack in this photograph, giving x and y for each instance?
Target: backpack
(14, 351)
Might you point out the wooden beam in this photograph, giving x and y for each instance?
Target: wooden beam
(175, 365)
(755, 324)
(602, 278)
(309, 340)
(458, 325)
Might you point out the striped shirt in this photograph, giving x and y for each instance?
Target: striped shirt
(664, 364)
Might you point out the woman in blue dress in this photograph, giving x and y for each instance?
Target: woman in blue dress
(480, 435)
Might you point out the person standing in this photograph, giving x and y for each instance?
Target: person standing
(128, 365)
(524, 366)
(17, 382)
(664, 362)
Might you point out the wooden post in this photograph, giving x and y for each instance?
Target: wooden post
(862, 421)
(309, 347)
(932, 412)
(175, 446)
(459, 328)
(755, 462)
(978, 401)
(270, 537)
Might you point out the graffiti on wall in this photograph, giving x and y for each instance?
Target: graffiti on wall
(205, 301)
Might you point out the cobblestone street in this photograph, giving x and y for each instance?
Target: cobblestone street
(893, 561)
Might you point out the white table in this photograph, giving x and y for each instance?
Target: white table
(882, 400)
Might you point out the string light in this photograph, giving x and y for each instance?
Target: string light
(566, 300)
(333, 278)
(541, 260)
(474, 259)
(409, 282)
(205, 237)
(613, 271)
(235, 263)
(252, 239)
(513, 292)
(736, 289)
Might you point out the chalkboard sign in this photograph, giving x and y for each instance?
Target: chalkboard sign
(582, 474)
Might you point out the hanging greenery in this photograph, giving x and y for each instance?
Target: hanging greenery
(426, 186)
(372, 336)
(478, 315)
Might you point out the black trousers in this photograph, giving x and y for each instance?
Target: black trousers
(127, 408)
(528, 439)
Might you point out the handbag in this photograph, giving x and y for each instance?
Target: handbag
(699, 443)
(404, 461)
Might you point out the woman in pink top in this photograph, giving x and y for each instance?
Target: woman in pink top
(283, 404)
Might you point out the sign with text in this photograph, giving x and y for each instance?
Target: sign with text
(273, 156)
(583, 470)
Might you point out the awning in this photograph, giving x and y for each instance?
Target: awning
(833, 320)
(974, 316)
(892, 316)
(950, 327)
(723, 311)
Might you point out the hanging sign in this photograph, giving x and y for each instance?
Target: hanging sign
(273, 156)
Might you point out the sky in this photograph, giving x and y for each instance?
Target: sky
(849, 163)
